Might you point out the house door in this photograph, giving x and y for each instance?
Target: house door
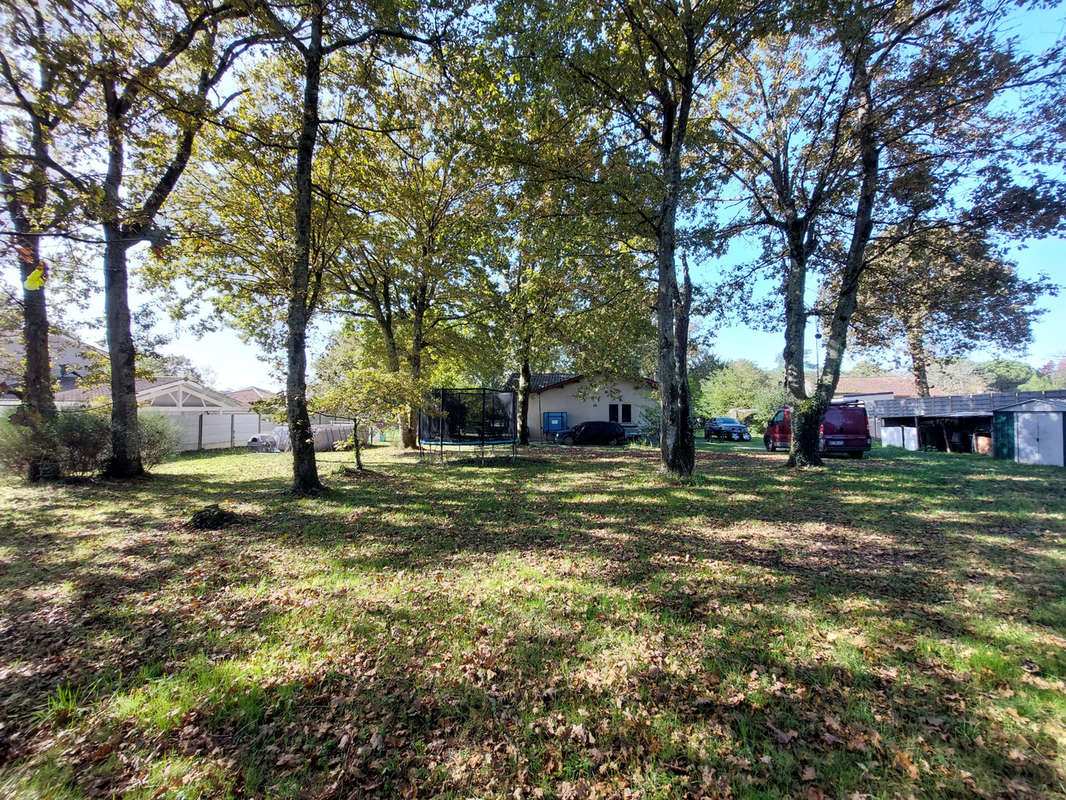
(1038, 438)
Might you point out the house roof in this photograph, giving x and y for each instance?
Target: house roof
(250, 394)
(162, 391)
(898, 385)
(1049, 404)
(544, 380)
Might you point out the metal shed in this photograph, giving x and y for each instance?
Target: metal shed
(1031, 432)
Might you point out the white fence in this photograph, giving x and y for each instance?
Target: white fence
(213, 430)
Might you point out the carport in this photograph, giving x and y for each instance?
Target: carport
(955, 432)
(1031, 432)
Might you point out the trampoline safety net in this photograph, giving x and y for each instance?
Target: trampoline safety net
(469, 416)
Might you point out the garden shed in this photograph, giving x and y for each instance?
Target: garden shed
(1031, 432)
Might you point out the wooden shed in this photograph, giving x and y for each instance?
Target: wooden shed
(1031, 432)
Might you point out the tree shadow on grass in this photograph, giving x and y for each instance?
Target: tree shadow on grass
(811, 540)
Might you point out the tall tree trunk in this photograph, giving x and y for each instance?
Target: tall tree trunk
(355, 441)
(676, 444)
(38, 401)
(806, 428)
(125, 461)
(304, 468)
(803, 448)
(919, 360)
(686, 452)
(414, 363)
(525, 383)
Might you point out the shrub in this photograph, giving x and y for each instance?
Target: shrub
(83, 441)
(160, 439)
(76, 443)
(18, 450)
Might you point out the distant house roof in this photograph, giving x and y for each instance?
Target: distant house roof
(544, 381)
(68, 354)
(897, 385)
(162, 391)
(250, 394)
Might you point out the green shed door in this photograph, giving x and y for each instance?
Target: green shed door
(1003, 436)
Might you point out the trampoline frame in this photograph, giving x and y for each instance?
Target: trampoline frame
(433, 448)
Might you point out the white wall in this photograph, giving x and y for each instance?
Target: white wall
(580, 408)
(220, 430)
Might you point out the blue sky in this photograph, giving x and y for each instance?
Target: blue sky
(236, 364)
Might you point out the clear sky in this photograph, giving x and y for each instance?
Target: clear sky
(236, 364)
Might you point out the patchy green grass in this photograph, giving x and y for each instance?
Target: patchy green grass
(569, 626)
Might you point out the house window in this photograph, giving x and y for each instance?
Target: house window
(612, 412)
(627, 412)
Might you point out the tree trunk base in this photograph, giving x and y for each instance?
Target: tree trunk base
(318, 490)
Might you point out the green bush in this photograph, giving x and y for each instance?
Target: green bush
(76, 443)
(83, 442)
(160, 438)
(79, 443)
(18, 450)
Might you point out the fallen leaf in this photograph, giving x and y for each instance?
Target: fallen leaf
(903, 761)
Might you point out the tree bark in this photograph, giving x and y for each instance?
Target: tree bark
(806, 424)
(414, 362)
(355, 441)
(919, 360)
(125, 461)
(38, 401)
(803, 449)
(676, 443)
(525, 382)
(304, 467)
(686, 451)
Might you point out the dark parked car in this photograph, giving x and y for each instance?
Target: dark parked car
(593, 433)
(726, 428)
(845, 429)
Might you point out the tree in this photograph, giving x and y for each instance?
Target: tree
(566, 292)
(742, 384)
(147, 76)
(956, 376)
(153, 364)
(40, 90)
(423, 213)
(1049, 377)
(232, 217)
(348, 383)
(645, 67)
(852, 125)
(943, 292)
(311, 32)
(1004, 375)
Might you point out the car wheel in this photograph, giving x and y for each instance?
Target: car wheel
(620, 441)
(567, 440)
(734, 437)
(706, 436)
(747, 437)
(766, 443)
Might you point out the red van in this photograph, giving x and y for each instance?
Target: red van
(845, 429)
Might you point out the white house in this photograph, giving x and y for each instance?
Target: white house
(559, 400)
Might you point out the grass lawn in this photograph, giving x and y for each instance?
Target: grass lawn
(572, 626)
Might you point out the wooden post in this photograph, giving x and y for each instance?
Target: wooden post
(200, 432)
(232, 430)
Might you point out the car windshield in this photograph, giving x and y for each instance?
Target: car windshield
(727, 421)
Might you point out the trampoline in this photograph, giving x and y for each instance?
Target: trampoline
(482, 419)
